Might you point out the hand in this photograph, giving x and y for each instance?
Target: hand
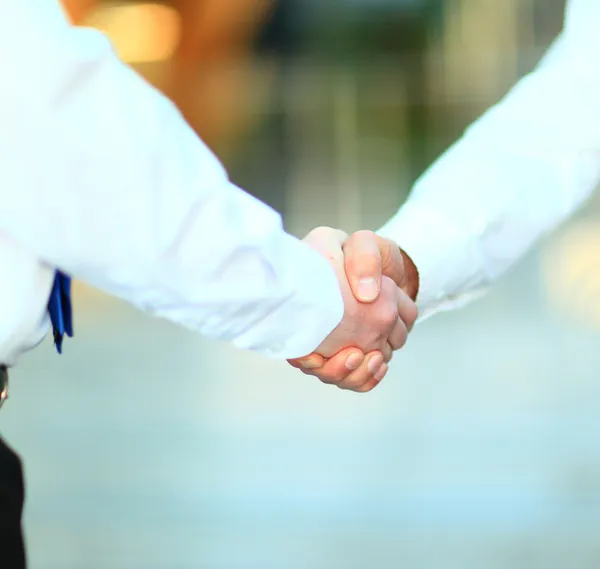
(367, 258)
(372, 326)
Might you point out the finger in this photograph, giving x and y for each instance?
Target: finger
(398, 336)
(388, 352)
(369, 369)
(362, 261)
(371, 381)
(392, 262)
(312, 361)
(338, 367)
(407, 310)
(327, 241)
(375, 381)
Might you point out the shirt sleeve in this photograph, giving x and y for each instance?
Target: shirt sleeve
(518, 172)
(103, 178)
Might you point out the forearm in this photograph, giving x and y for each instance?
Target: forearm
(105, 180)
(515, 175)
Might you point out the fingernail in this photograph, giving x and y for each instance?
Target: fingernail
(381, 373)
(309, 364)
(354, 360)
(375, 363)
(367, 289)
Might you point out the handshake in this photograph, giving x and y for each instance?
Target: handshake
(379, 285)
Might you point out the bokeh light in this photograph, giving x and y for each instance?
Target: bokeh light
(571, 268)
(140, 33)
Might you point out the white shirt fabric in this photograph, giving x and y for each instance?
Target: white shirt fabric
(517, 172)
(101, 177)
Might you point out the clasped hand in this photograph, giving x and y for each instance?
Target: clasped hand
(378, 284)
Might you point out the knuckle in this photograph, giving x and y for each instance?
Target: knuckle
(323, 230)
(388, 315)
(408, 310)
(402, 339)
(364, 234)
(320, 233)
(388, 353)
(412, 314)
(387, 308)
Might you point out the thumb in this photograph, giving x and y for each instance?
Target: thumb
(363, 265)
(392, 262)
(312, 361)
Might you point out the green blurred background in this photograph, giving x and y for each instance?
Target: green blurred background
(148, 447)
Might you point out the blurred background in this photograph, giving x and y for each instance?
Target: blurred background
(148, 447)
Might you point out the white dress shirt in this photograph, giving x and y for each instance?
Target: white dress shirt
(101, 177)
(517, 172)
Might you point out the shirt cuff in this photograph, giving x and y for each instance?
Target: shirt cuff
(297, 326)
(450, 272)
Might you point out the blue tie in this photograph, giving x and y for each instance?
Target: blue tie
(59, 307)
